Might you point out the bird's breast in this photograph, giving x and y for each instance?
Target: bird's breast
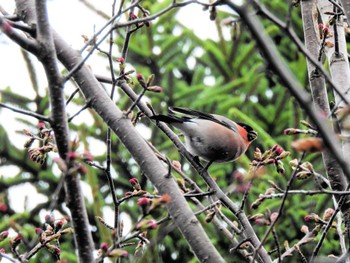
(216, 143)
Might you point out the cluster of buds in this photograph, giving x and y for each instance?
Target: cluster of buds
(39, 154)
(138, 191)
(314, 218)
(312, 144)
(146, 84)
(271, 156)
(45, 137)
(150, 204)
(53, 230)
(323, 30)
(306, 170)
(145, 14)
(262, 219)
(116, 253)
(15, 241)
(52, 226)
(262, 197)
(123, 74)
(293, 131)
(54, 250)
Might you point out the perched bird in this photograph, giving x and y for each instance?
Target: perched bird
(212, 137)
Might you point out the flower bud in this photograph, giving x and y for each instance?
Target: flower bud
(143, 201)
(104, 246)
(280, 167)
(120, 60)
(273, 217)
(3, 207)
(50, 219)
(210, 216)
(156, 89)
(304, 229)
(292, 131)
(72, 156)
(328, 214)
(41, 125)
(257, 154)
(87, 156)
(3, 235)
(141, 80)
(150, 80)
(177, 165)
(117, 253)
(135, 183)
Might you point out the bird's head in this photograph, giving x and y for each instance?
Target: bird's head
(251, 134)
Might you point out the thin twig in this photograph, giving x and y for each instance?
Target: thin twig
(25, 112)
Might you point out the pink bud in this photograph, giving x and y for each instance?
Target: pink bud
(41, 125)
(152, 224)
(328, 214)
(72, 155)
(3, 207)
(273, 216)
(156, 89)
(279, 150)
(134, 180)
(104, 246)
(3, 235)
(139, 76)
(38, 230)
(82, 170)
(307, 218)
(143, 201)
(88, 156)
(18, 238)
(120, 60)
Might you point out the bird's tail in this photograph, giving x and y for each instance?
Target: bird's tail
(169, 118)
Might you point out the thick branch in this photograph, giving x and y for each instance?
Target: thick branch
(318, 89)
(47, 56)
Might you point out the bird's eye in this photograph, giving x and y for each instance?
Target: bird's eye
(252, 135)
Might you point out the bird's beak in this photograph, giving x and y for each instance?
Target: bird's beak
(252, 135)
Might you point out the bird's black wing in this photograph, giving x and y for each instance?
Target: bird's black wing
(201, 115)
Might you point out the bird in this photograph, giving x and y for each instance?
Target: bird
(211, 137)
